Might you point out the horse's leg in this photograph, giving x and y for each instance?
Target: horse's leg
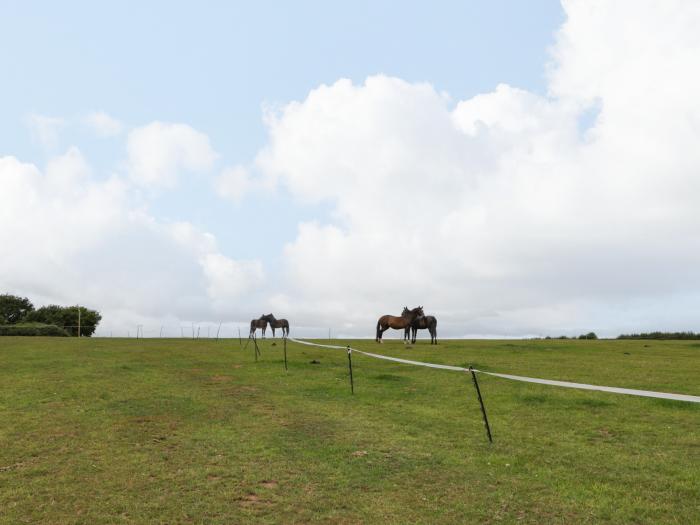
(380, 332)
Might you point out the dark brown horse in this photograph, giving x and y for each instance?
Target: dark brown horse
(420, 323)
(258, 323)
(278, 323)
(397, 323)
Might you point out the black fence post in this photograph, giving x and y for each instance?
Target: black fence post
(285, 353)
(481, 402)
(352, 385)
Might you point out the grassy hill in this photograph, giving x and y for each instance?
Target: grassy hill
(184, 431)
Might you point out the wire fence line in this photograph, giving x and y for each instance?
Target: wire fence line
(551, 382)
(231, 330)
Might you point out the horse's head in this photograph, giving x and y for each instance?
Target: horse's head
(405, 311)
(417, 312)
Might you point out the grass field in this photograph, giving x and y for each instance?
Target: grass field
(182, 431)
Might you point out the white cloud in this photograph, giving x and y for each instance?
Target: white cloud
(229, 279)
(45, 130)
(103, 124)
(158, 152)
(69, 237)
(233, 183)
(497, 213)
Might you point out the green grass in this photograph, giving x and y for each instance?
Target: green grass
(181, 431)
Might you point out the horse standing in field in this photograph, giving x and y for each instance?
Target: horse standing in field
(420, 323)
(278, 323)
(397, 323)
(258, 323)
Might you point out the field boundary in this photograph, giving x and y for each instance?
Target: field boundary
(551, 382)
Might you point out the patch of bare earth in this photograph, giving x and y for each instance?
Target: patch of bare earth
(220, 379)
(252, 500)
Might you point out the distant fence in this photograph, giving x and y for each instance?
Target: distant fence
(199, 331)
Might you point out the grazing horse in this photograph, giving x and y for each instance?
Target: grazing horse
(277, 323)
(397, 323)
(426, 321)
(258, 323)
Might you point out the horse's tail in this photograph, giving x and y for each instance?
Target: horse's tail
(379, 324)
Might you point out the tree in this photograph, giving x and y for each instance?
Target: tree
(67, 317)
(13, 309)
(51, 314)
(589, 335)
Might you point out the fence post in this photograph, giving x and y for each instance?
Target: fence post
(285, 355)
(481, 402)
(352, 385)
(256, 349)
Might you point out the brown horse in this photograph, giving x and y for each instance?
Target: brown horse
(397, 323)
(258, 323)
(420, 323)
(277, 323)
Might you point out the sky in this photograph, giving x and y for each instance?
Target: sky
(516, 168)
